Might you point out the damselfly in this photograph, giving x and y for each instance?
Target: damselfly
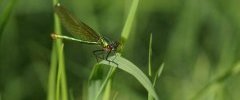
(84, 34)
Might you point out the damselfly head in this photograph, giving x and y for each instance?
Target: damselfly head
(112, 46)
(115, 45)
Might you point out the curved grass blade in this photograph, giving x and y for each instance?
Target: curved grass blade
(132, 69)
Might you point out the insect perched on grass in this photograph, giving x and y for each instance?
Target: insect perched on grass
(84, 34)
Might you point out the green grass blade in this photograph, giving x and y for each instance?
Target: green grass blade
(96, 73)
(57, 46)
(61, 81)
(132, 69)
(150, 56)
(93, 88)
(115, 96)
(64, 89)
(57, 96)
(218, 81)
(107, 91)
(110, 73)
(52, 75)
(150, 62)
(158, 74)
(95, 81)
(97, 85)
(5, 14)
(128, 24)
(57, 28)
(52, 84)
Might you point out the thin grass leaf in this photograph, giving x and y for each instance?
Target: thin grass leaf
(85, 91)
(107, 91)
(128, 25)
(236, 69)
(59, 78)
(158, 73)
(95, 81)
(53, 86)
(218, 81)
(96, 73)
(132, 69)
(64, 89)
(110, 73)
(58, 86)
(150, 62)
(5, 14)
(150, 56)
(52, 75)
(61, 63)
(93, 89)
(115, 96)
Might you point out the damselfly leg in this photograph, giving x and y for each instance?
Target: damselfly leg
(104, 55)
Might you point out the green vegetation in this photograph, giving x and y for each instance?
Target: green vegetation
(170, 50)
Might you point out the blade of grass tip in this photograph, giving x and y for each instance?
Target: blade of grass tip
(150, 56)
(52, 74)
(5, 14)
(150, 63)
(110, 73)
(133, 70)
(158, 73)
(128, 24)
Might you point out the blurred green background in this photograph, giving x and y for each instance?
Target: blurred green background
(198, 40)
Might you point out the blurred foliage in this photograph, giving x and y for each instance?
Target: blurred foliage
(198, 40)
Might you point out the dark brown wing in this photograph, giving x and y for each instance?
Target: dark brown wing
(77, 28)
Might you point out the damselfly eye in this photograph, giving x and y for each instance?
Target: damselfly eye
(116, 44)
